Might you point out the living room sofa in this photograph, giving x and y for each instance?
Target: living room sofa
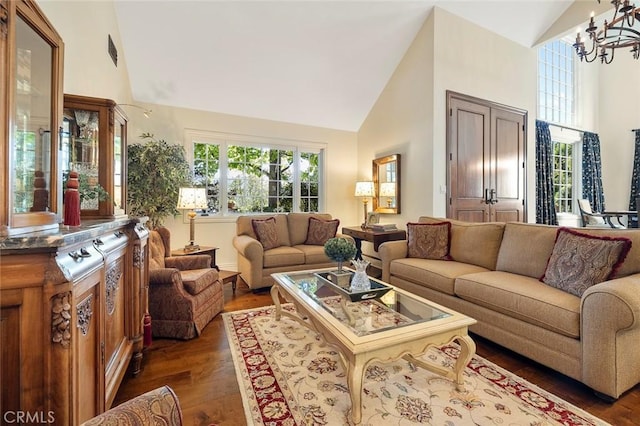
(494, 275)
(295, 249)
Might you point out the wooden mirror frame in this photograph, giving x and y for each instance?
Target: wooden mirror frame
(380, 176)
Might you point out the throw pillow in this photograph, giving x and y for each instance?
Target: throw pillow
(579, 260)
(429, 240)
(266, 232)
(320, 231)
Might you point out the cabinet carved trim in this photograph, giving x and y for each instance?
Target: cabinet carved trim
(61, 319)
(84, 311)
(113, 277)
(4, 15)
(138, 256)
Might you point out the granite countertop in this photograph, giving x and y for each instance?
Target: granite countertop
(64, 235)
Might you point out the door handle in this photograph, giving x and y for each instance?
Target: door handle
(487, 200)
(493, 199)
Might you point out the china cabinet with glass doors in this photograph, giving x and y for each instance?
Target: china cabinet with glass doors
(94, 144)
(31, 53)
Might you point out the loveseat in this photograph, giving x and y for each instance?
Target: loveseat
(494, 275)
(282, 243)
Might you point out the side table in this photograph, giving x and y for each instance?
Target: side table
(229, 276)
(211, 251)
(375, 237)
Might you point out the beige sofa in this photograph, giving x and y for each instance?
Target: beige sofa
(256, 264)
(494, 277)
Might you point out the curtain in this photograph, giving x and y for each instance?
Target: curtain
(545, 209)
(592, 189)
(635, 181)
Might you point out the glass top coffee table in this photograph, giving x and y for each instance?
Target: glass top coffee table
(384, 325)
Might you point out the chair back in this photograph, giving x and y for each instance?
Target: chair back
(586, 214)
(159, 247)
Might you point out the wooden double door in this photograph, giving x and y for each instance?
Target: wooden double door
(486, 168)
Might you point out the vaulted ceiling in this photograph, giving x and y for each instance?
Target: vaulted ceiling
(320, 63)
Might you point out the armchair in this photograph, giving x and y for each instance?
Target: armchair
(185, 293)
(157, 407)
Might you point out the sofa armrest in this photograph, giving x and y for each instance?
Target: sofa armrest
(610, 331)
(346, 237)
(183, 263)
(389, 251)
(164, 276)
(159, 406)
(248, 247)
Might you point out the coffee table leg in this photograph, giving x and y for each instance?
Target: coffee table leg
(275, 290)
(467, 349)
(355, 376)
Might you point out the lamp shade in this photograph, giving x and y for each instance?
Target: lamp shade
(364, 189)
(192, 198)
(388, 189)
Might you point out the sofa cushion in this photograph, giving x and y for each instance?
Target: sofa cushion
(266, 232)
(428, 240)
(524, 298)
(525, 248)
(283, 256)
(244, 226)
(298, 226)
(196, 280)
(436, 274)
(474, 243)
(320, 231)
(313, 254)
(579, 261)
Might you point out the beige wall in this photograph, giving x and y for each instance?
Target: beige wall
(89, 71)
(450, 53)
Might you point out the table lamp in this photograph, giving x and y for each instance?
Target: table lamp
(364, 190)
(388, 189)
(191, 199)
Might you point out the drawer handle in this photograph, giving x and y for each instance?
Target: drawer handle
(98, 242)
(83, 253)
(118, 234)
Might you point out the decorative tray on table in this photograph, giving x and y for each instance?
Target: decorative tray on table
(377, 289)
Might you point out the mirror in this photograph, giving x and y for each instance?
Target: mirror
(386, 179)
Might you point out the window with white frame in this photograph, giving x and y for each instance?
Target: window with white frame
(557, 105)
(245, 174)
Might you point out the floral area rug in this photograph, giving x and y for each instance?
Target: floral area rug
(288, 378)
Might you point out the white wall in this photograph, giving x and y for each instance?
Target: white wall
(619, 113)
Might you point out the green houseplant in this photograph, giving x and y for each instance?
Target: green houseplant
(156, 171)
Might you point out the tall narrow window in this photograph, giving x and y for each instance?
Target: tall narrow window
(557, 105)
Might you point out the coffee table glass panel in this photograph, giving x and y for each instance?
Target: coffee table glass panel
(390, 311)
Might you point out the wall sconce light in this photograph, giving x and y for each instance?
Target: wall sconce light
(147, 112)
(191, 199)
(388, 189)
(365, 190)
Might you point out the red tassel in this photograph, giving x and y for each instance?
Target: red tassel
(146, 327)
(72, 201)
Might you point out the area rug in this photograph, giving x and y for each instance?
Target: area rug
(288, 378)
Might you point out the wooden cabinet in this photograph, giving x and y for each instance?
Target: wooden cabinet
(31, 54)
(94, 144)
(72, 306)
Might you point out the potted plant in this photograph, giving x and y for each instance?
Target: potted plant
(340, 250)
(156, 172)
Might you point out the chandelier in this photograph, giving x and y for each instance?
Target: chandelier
(619, 33)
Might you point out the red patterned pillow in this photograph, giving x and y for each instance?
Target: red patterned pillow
(266, 232)
(429, 240)
(321, 230)
(579, 260)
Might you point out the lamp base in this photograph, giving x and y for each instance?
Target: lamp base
(191, 247)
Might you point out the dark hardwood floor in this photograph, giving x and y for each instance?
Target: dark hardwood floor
(201, 372)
